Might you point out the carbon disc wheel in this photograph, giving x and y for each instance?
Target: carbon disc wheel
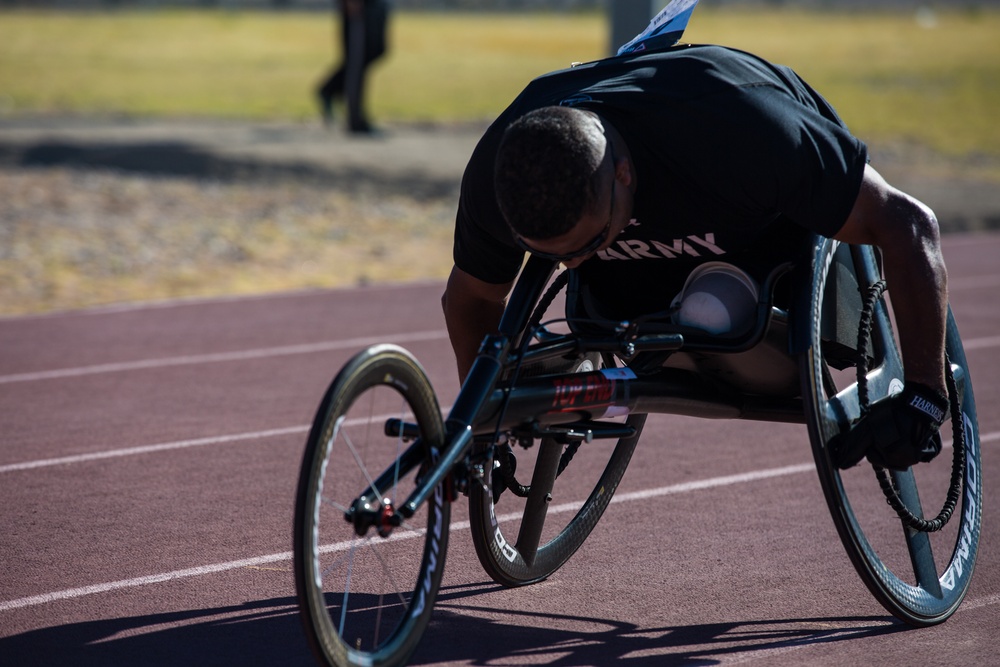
(920, 577)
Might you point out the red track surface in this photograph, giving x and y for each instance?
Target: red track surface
(149, 458)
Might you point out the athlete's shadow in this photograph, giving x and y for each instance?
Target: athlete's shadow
(265, 632)
(191, 160)
(268, 632)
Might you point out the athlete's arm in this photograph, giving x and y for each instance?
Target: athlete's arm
(907, 233)
(472, 310)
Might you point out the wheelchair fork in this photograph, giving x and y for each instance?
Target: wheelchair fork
(539, 497)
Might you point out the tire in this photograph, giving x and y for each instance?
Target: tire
(367, 600)
(919, 577)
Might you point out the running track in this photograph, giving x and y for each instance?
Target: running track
(148, 463)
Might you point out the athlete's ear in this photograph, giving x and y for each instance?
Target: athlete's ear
(623, 171)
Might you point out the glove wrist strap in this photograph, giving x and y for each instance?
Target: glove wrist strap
(926, 401)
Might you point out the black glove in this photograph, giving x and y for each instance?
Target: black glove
(898, 431)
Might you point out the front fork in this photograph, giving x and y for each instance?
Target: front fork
(474, 395)
(374, 508)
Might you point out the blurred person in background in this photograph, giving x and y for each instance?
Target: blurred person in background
(363, 37)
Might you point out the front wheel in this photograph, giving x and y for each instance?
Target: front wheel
(366, 599)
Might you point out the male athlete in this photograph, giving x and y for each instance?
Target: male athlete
(636, 169)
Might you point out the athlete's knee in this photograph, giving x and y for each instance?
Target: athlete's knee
(718, 298)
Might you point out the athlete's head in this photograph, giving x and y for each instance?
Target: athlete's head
(548, 171)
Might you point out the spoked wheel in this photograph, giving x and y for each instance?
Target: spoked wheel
(920, 577)
(366, 586)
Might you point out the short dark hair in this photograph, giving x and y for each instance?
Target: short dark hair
(546, 171)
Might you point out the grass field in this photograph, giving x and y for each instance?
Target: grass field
(933, 80)
(72, 238)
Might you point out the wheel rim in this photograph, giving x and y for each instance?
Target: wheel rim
(367, 599)
(919, 577)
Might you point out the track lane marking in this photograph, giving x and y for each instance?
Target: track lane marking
(151, 449)
(258, 561)
(973, 282)
(179, 444)
(72, 593)
(128, 307)
(239, 355)
(222, 440)
(286, 350)
(981, 343)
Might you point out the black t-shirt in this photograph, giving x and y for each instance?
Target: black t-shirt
(727, 149)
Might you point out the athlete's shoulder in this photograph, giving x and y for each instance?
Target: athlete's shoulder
(682, 53)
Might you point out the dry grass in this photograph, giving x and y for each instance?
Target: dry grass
(73, 239)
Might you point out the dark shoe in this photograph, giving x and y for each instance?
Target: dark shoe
(364, 128)
(325, 108)
(360, 127)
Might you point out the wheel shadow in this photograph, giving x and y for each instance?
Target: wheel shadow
(268, 632)
(465, 634)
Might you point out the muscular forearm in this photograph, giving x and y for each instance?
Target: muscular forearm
(467, 327)
(469, 317)
(918, 286)
(907, 233)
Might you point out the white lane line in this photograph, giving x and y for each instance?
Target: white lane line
(714, 482)
(973, 282)
(196, 301)
(179, 444)
(240, 355)
(72, 593)
(983, 437)
(222, 440)
(980, 343)
(969, 605)
(142, 581)
(149, 449)
(261, 353)
(684, 487)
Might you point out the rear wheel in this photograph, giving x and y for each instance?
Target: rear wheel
(920, 577)
(366, 599)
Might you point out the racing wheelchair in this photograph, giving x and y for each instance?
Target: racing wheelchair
(382, 466)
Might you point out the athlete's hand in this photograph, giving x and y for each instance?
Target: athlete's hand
(898, 431)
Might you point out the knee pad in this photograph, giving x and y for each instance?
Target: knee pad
(718, 298)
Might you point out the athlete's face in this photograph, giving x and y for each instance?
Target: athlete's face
(594, 232)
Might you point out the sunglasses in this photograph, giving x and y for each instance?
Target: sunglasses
(590, 247)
